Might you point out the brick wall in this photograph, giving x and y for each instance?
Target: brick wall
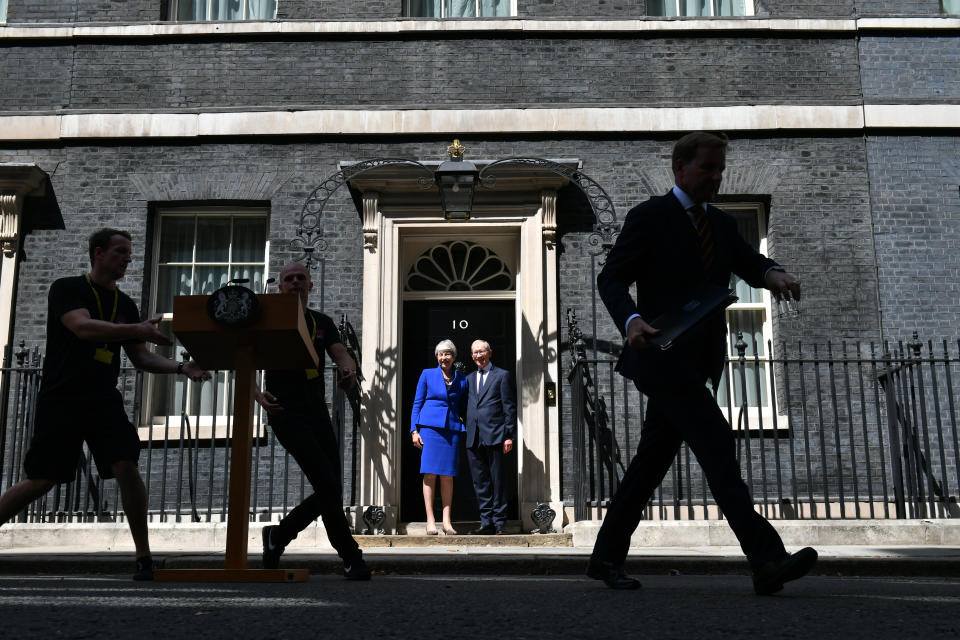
(805, 8)
(35, 77)
(339, 10)
(67, 11)
(820, 219)
(913, 69)
(585, 9)
(914, 183)
(869, 225)
(387, 72)
(901, 8)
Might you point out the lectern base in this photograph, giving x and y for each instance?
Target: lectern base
(231, 575)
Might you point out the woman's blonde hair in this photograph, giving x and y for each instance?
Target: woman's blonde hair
(445, 345)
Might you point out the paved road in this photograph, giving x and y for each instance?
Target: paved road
(498, 607)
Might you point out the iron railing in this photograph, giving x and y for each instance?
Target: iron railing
(185, 456)
(845, 430)
(824, 431)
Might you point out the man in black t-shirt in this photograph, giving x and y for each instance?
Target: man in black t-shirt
(296, 402)
(89, 319)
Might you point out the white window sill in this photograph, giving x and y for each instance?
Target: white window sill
(204, 431)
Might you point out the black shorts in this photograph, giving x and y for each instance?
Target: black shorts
(64, 422)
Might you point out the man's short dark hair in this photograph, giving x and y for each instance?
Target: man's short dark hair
(686, 147)
(102, 239)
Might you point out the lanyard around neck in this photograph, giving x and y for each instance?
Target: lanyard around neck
(96, 294)
(312, 373)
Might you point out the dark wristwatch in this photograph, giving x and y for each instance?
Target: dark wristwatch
(180, 367)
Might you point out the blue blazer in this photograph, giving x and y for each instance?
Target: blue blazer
(437, 405)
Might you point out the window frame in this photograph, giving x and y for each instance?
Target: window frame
(161, 426)
(443, 5)
(748, 10)
(761, 411)
(175, 6)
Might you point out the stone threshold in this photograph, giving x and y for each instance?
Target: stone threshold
(167, 537)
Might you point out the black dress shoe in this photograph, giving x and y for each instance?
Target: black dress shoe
(498, 529)
(770, 577)
(486, 530)
(612, 575)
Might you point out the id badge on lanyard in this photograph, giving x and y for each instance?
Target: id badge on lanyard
(312, 373)
(103, 353)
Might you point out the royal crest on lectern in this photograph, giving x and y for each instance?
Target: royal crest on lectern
(233, 305)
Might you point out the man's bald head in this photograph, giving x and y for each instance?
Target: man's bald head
(295, 278)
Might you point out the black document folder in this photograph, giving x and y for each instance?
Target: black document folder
(673, 324)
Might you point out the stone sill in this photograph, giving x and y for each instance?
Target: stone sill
(681, 26)
(478, 121)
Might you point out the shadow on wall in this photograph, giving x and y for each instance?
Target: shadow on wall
(377, 425)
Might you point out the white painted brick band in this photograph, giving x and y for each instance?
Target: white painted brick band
(515, 25)
(446, 121)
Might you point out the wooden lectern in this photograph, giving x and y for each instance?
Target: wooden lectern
(279, 339)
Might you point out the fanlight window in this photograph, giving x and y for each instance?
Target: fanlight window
(459, 266)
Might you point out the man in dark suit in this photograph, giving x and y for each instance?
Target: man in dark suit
(671, 247)
(491, 428)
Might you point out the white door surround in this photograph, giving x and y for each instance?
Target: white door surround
(517, 221)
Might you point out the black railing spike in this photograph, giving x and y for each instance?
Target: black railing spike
(578, 348)
(602, 414)
(915, 345)
(741, 346)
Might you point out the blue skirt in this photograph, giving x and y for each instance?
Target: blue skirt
(441, 451)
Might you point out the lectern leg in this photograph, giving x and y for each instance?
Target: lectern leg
(238, 511)
(238, 515)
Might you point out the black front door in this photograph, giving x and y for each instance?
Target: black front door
(425, 323)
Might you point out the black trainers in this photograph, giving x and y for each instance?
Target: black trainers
(144, 569)
(271, 551)
(356, 569)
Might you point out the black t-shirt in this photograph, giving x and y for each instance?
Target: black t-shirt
(76, 366)
(300, 388)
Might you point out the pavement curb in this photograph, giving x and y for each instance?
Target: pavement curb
(485, 563)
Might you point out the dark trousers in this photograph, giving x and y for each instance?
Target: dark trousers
(486, 467)
(308, 437)
(688, 415)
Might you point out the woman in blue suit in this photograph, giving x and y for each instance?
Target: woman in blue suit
(436, 427)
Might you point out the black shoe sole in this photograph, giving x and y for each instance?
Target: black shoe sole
(798, 565)
(362, 576)
(598, 573)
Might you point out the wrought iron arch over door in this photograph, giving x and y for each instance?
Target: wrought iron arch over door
(459, 265)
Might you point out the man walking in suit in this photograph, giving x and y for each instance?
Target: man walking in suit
(491, 428)
(671, 247)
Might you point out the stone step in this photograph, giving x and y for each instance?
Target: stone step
(505, 540)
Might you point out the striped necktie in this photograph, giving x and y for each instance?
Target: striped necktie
(705, 239)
